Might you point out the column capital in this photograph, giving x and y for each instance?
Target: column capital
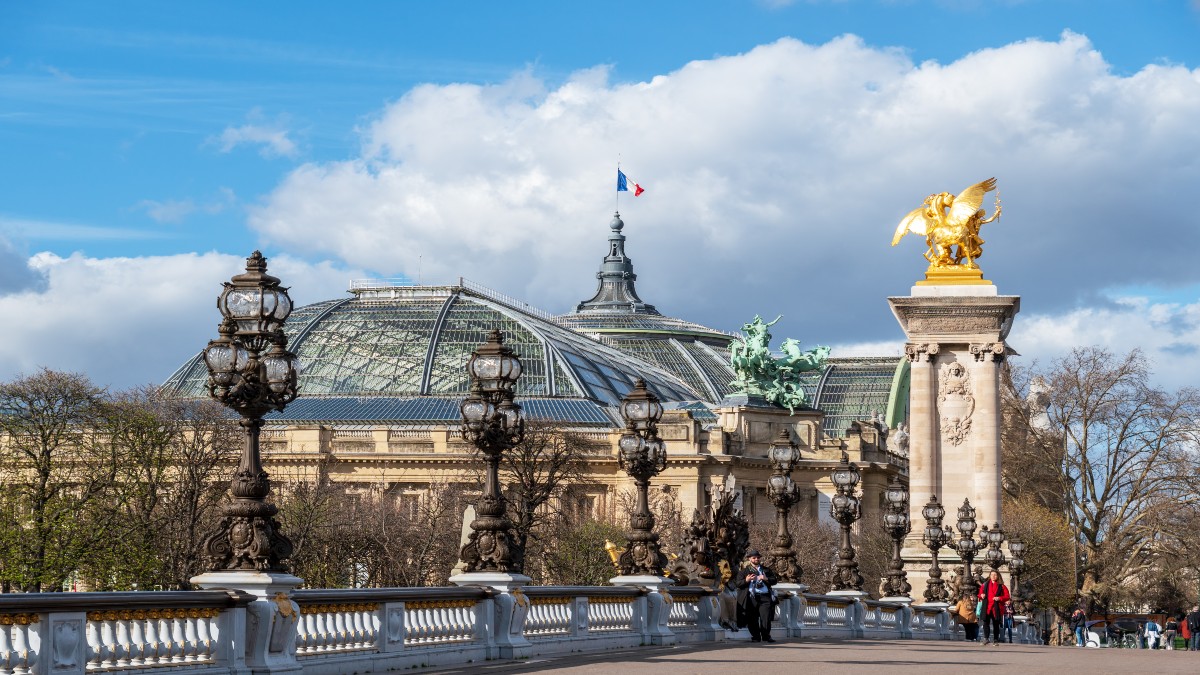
(988, 351)
(921, 352)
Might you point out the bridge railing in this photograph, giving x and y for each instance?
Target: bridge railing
(377, 630)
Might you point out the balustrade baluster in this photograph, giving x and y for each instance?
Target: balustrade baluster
(108, 641)
(22, 659)
(204, 634)
(137, 638)
(190, 639)
(178, 644)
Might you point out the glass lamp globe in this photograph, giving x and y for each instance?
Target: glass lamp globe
(640, 408)
(783, 452)
(933, 511)
(476, 411)
(225, 358)
(896, 495)
(255, 301)
(279, 366)
(510, 412)
(494, 365)
(1016, 546)
(631, 447)
(996, 535)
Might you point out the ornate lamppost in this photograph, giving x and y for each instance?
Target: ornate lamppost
(783, 493)
(897, 524)
(846, 509)
(994, 538)
(251, 372)
(492, 422)
(1016, 567)
(642, 455)
(935, 538)
(967, 546)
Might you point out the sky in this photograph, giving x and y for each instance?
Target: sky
(146, 148)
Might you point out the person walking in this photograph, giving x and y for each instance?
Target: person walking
(964, 612)
(1079, 625)
(1153, 633)
(755, 599)
(993, 594)
(1193, 626)
(1008, 622)
(1170, 630)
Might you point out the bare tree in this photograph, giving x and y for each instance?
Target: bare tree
(540, 469)
(1124, 449)
(815, 544)
(52, 469)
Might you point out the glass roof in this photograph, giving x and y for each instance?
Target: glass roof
(418, 344)
(854, 389)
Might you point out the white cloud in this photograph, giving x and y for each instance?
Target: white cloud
(177, 210)
(44, 230)
(1168, 333)
(272, 137)
(133, 321)
(169, 211)
(774, 180)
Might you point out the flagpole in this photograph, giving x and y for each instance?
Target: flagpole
(618, 206)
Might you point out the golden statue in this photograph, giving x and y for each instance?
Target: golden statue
(951, 228)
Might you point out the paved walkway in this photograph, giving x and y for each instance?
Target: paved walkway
(883, 657)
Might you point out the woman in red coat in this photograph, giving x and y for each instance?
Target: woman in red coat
(993, 593)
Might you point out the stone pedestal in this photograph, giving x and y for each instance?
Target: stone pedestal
(955, 345)
(510, 609)
(657, 609)
(270, 620)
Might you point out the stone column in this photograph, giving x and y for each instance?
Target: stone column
(955, 342)
(988, 491)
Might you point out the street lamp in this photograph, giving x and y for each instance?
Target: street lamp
(994, 538)
(251, 372)
(642, 455)
(783, 493)
(967, 546)
(845, 509)
(935, 538)
(897, 524)
(492, 422)
(1016, 567)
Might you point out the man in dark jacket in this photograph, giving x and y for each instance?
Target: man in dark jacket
(1193, 624)
(755, 599)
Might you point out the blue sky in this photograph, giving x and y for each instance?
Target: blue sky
(143, 131)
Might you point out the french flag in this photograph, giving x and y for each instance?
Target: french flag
(623, 184)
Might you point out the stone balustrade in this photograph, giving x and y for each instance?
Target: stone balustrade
(375, 630)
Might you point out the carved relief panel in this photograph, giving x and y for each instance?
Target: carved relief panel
(956, 403)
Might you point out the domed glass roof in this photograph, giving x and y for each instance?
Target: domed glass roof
(396, 341)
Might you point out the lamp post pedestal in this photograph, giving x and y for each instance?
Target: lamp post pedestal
(791, 608)
(270, 621)
(511, 610)
(654, 607)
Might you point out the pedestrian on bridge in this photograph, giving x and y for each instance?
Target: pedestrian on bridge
(756, 597)
(993, 594)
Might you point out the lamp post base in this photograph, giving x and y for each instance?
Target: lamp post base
(505, 582)
(511, 609)
(271, 619)
(657, 605)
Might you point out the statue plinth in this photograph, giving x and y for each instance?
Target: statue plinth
(954, 276)
(956, 343)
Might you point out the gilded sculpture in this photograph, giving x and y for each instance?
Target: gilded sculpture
(776, 379)
(951, 227)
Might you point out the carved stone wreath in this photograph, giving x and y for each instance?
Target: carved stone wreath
(955, 402)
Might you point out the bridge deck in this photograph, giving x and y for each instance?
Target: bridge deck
(858, 656)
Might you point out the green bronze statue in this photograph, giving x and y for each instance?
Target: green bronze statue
(776, 379)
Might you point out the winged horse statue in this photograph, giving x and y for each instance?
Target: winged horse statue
(951, 225)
